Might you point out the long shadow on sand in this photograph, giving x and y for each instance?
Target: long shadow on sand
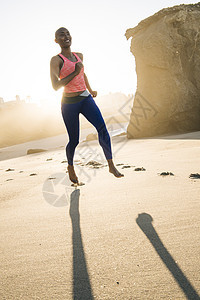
(144, 221)
(81, 282)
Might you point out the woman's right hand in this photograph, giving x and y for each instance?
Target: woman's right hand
(78, 67)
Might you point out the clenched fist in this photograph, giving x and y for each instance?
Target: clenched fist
(93, 93)
(78, 67)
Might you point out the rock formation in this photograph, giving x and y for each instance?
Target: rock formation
(166, 47)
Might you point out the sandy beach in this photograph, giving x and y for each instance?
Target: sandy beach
(135, 237)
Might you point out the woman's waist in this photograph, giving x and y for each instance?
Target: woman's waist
(72, 98)
(72, 94)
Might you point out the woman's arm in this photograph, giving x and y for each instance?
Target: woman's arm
(93, 93)
(55, 71)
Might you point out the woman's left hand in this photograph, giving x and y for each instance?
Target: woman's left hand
(93, 93)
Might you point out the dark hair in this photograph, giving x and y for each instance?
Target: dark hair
(59, 29)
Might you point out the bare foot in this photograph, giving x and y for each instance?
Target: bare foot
(113, 170)
(72, 174)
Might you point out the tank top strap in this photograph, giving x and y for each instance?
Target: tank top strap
(62, 56)
(77, 56)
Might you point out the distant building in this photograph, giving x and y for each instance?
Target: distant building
(28, 99)
(4, 105)
(17, 98)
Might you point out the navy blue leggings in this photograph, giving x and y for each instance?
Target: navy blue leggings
(88, 108)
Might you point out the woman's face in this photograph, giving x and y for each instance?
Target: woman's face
(63, 38)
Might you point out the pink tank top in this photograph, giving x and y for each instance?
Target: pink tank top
(77, 84)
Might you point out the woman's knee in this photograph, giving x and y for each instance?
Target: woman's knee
(102, 128)
(73, 143)
(103, 133)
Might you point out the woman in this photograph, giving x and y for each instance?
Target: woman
(67, 71)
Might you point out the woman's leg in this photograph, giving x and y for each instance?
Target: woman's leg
(70, 114)
(92, 113)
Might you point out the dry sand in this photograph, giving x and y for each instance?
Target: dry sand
(101, 243)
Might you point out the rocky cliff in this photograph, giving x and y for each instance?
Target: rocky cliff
(166, 47)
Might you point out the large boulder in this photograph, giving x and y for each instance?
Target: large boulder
(166, 47)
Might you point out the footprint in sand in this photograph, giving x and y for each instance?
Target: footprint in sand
(140, 169)
(9, 179)
(77, 184)
(10, 170)
(64, 161)
(80, 164)
(125, 167)
(194, 176)
(32, 174)
(49, 159)
(94, 164)
(166, 174)
(21, 171)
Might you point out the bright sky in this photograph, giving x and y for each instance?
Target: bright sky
(97, 29)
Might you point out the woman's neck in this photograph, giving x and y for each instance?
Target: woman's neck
(66, 52)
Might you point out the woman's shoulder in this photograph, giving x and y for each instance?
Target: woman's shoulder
(57, 60)
(80, 55)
